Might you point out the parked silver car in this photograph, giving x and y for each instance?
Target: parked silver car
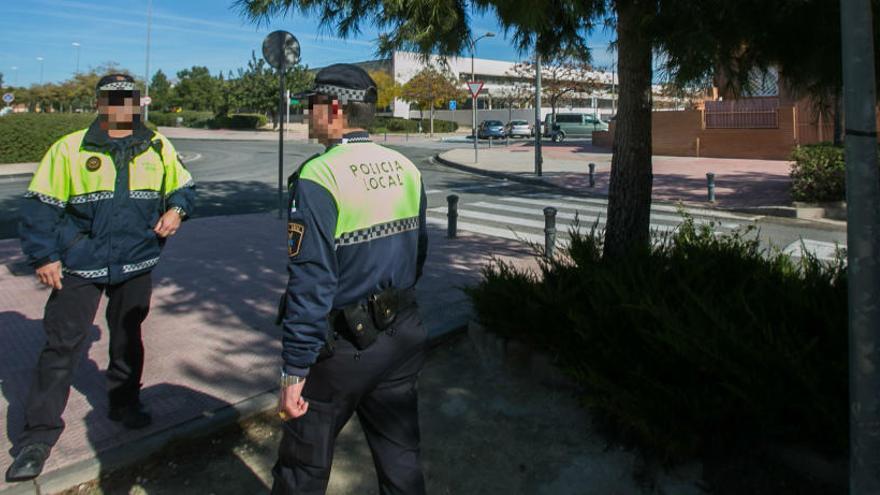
(516, 128)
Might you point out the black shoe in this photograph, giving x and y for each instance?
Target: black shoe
(28, 464)
(132, 417)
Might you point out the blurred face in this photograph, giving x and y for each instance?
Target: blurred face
(326, 121)
(119, 110)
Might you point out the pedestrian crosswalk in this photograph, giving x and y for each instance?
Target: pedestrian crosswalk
(522, 217)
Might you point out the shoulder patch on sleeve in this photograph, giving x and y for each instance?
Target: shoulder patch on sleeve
(295, 233)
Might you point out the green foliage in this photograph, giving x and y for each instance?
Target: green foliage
(238, 121)
(702, 346)
(160, 92)
(190, 119)
(818, 173)
(25, 137)
(197, 90)
(397, 124)
(255, 88)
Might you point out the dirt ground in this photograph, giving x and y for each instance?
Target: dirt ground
(485, 430)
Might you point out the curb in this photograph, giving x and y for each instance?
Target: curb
(141, 449)
(801, 213)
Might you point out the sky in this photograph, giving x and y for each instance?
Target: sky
(184, 33)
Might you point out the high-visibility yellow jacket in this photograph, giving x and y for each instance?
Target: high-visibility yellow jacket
(94, 201)
(356, 226)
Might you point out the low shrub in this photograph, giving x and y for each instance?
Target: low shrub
(243, 121)
(703, 346)
(194, 119)
(818, 173)
(25, 137)
(397, 124)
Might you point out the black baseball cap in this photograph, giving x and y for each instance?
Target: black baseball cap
(345, 82)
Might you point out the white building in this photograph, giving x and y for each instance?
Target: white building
(499, 79)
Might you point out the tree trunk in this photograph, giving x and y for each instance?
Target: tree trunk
(629, 192)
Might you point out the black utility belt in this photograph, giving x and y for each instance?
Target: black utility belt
(362, 323)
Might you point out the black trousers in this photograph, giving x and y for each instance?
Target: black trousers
(380, 385)
(69, 315)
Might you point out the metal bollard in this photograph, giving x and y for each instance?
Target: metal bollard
(507, 140)
(490, 141)
(549, 231)
(407, 134)
(710, 185)
(452, 216)
(592, 175)
(386, 134)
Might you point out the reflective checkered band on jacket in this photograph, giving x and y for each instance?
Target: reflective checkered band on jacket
(359, 139)
(49, 200)
(88, 198)
(378, 231)
(144, 194)
(143, 265)
(103, 272)
(341, 94)
(189, 183)
(118, 86)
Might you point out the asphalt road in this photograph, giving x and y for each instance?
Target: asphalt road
(236, 177)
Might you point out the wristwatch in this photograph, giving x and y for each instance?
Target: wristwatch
(288, 380)
(180, 211)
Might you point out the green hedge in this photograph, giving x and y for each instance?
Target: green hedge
(397, 124)
(199, 120)
(240, 121)
(25, 137)
(818, 173)
(705, 346)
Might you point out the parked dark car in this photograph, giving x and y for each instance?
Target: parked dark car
(490, 129)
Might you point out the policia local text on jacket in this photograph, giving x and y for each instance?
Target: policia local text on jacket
(356, 229)
(93, 204)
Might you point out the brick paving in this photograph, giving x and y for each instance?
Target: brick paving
(210, 337)
(738, 182)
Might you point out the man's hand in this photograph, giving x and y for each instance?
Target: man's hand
(291, 404)
(168, 224)
(50, 274)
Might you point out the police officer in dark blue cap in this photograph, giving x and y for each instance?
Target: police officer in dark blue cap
(353, 341)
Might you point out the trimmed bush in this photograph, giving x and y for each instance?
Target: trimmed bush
(397, 124)
(818, 173)
(198, 120)
(25, 137)
(247, 121)
(704, 346)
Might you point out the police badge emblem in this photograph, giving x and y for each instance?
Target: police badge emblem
(93, 163)
(295, 233)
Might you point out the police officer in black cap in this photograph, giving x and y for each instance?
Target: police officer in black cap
(353, 341)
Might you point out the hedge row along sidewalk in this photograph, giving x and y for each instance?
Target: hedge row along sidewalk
(703, 347)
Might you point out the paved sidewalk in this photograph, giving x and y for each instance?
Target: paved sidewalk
(210, 337)
(739, 183)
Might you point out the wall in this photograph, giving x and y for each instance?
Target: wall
(681, 133)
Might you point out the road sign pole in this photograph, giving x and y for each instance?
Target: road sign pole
(281, 141)
(474, 124)
(539, 160)
(281, 50)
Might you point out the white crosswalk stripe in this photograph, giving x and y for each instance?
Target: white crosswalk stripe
(522, 218)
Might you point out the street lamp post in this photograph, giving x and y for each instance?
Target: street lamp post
(147, 72)
(76, 45)
(473, 43)
(40, 60)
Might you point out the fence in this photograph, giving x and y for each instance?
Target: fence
(751, 113)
